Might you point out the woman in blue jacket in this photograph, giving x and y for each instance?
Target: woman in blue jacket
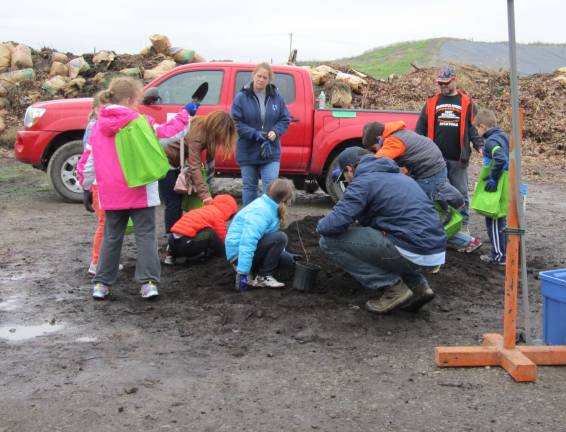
(254, 242)
(261, 118)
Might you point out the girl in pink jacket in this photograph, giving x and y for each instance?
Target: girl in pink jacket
(119, 201)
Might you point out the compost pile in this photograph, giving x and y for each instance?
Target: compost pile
(543, 99)
(28, 76)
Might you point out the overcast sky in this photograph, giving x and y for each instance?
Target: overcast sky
(247, 30)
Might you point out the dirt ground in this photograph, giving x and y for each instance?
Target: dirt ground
(206, 358)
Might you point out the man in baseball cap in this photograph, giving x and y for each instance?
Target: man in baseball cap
(399, 238)
(448, 119)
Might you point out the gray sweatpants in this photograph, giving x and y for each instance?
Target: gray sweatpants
(148, 267)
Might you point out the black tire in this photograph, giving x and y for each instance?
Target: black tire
(62, 171)
(299, 183)
(335, 190)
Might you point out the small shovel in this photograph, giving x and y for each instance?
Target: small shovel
(200, 93)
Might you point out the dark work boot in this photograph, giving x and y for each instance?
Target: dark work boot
(422, 294)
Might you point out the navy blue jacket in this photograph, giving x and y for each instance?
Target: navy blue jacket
(496, 139)
(383, 198)
(246, 114)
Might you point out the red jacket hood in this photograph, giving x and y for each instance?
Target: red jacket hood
(112, 118)
(393, 127)
(226, 204)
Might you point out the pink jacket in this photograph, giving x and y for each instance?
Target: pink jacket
(113, 190)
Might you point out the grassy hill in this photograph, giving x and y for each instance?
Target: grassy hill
(397, 58)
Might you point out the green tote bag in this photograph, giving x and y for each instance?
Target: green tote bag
(491, 204)
(142, 158)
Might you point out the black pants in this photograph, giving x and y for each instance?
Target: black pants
(201, 247)
(172, 200)
(270, 254)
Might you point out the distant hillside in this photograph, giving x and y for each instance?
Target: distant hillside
(397, 58)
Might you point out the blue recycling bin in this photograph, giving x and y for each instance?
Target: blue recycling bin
(553, 284)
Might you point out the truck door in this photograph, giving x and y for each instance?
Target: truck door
(294, 145)
(176, 90)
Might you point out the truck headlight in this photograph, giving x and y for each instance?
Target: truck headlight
(32, 116)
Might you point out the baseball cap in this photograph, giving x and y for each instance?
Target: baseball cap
(349, 157)
(446, 74)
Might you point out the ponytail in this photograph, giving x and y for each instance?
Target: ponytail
(282, 191)
(120, 89)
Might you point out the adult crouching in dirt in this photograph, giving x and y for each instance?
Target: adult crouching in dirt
(424, 162)
(215, 134)
(400, 236)
(200, 233)
(448, 119)
(117, 199)
(255, 244)
(261, 118)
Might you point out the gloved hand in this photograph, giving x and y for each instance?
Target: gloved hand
(192, 108)
(490, 185)
(335, 174)
(266, 149)
(87, 201)
(258, 136)
(241, 282)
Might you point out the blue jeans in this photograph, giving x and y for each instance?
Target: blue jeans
(250, 178)
(431, 186)
(172, 200)
(458, 177)
(270, 254)
(371, 258)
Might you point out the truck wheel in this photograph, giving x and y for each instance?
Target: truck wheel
(335, 190)
(62, 171)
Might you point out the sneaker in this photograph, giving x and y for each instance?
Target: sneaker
(474, 244)
(169, 259)
(100, 291)
(491, 260)
(435, 269)
(422, 294)
(393, 296)
(266, 282)
(92, 268)
(149, 290)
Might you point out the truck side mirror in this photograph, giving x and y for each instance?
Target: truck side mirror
(151, 96)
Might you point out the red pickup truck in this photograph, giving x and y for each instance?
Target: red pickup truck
(53, 131)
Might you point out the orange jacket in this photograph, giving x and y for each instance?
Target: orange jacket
(392, 147)
(213, 216)
(431, 115)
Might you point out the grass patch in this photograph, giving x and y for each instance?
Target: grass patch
(396, 59)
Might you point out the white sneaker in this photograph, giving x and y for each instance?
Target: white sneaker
(266, 282)
(92, 268)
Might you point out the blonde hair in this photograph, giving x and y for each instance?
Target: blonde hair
(282, 191)
(265, 66)
(120, 88)
(487, 118)
(217, 131)
(96, 102)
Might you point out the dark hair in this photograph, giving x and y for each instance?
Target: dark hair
(371, 132)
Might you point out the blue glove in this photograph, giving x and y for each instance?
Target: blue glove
(490, 185)
(241, 282)
(258, 137)
(192, 108)
(266, 149)
(335, 174)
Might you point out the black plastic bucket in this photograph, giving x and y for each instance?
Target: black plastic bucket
(305, 276)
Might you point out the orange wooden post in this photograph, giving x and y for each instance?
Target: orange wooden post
(501, 350)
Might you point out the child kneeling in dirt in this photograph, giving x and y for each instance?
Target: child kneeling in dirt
(496, 155)
(117, 199)
(200, 233)
(254, 242)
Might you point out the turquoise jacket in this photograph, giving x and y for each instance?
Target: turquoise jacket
(250, 224)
